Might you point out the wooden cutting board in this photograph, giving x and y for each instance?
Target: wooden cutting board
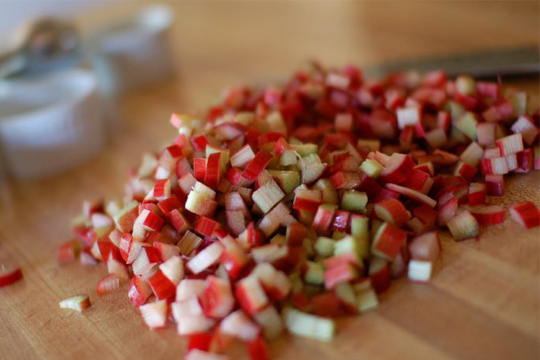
(483, 302)
(484, 299)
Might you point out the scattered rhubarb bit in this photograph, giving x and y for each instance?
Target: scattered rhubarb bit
(489, 215)
(526, 214)
(307, 325)
(79, 303)
(463, 226)
(9, 276)
(420, 271)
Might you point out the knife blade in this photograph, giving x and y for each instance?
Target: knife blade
(510, 62)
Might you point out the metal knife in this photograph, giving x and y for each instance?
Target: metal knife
(511, 62)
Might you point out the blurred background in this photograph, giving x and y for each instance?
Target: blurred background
(191, 50)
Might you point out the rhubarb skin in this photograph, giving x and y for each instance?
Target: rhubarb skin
(399, 169)
(217, 298)
(162, 287)
(258, 350)
(388, 241)
(526, 214)
(491, 215)
(393, 211)
(379, 274)
(138, 291)
(324, 218)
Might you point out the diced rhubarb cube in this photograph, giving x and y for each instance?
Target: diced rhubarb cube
(256, 165)
(250, 294)
(139, 291)
(162, 286)
(392, 211)
(398, 169)
(463, 226)
(239, 325)
(217, 299)
(526, 214)
(206, 258)
(324, 218)
(388, 240)
(154, 314)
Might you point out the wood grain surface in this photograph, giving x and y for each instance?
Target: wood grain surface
(484, 299)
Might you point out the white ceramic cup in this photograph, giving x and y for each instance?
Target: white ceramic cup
(49, 123)
(133, 51)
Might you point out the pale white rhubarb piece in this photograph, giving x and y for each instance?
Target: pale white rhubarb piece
(307, 325)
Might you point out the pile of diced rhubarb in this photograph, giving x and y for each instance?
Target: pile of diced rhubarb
(284, 207)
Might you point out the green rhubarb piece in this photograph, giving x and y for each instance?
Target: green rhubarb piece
(467, 124)
(224, 158)
(330, 195)
(294, 141)
(463, 226)
(465, 85)
(113, 207)
(337, 235)
(296, 282)
(314, 274)
(324, 246)
(500, 132)
(311, 167)
(352, 245)
(80, 220)
(287, 180)
(364, 284)
(306, 149)
(288, 158)
(268, 147)
(204, 191)
(457, 135)
(102, 230)
(371, 145)
(273, 164)
(244, 117)
(311, 290)
(276, 123)
(267, 196)
(367, 300)
(456, 110)
(305, 217)
(312, 159)
(375, 225)
(353, 200)
(360, 226)
(121, 217)
(279, 239)
(148, 165)
(307, 325)
(518, 100)
(345, 292)
(371, 168)
(309, 247)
